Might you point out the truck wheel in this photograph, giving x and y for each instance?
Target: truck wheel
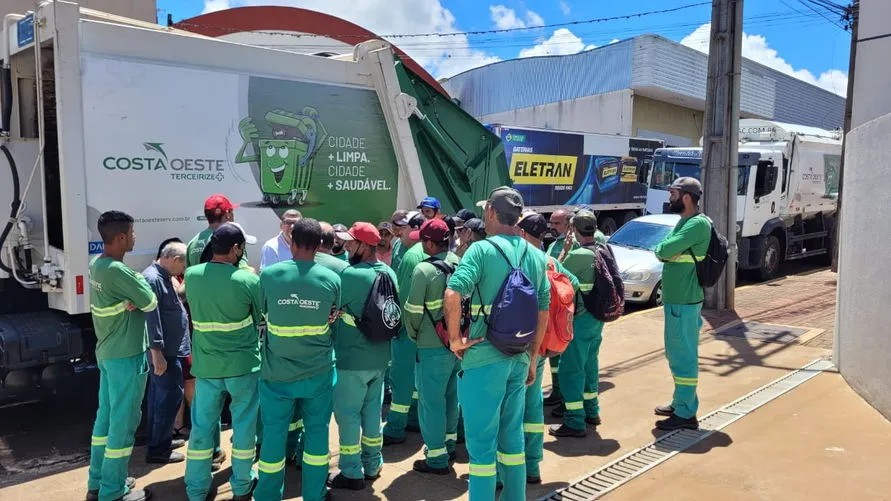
(770, 264)
(608, 226)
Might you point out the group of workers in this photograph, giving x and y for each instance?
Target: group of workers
(289, 346)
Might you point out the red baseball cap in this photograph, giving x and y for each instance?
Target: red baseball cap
(435, 230)
(220, 202)
(363, 232)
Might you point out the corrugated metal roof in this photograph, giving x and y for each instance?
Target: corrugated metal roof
(646, 61)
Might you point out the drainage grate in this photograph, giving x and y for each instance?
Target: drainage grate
(762, 332)
(635, 463)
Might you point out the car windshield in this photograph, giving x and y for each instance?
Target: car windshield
(639, 235)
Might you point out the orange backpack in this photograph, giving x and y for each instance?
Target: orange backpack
(561, 313)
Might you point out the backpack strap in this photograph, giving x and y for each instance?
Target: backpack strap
(711, 226)
(446, 269)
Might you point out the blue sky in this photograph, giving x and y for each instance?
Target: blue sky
(783, 34)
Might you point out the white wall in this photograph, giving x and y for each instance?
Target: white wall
(863, 336)
(608, 113)
(144, 10)
(872, 78)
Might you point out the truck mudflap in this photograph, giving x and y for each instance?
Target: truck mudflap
(750, 255)
(461, 160)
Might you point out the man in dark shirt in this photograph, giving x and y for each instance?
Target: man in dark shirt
(168, 330)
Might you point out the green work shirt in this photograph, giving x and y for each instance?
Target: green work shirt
(199, 242)
(680, 284)
(225, 305)
(120, 333)
(353, 350)
(298, 297)
(557, 245)
(407, 266)
(580, 263)
(332, 263)
(426, 290)
(480, 275)
(399, 250)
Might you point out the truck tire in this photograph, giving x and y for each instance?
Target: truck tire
(608, 225)
(772, 259)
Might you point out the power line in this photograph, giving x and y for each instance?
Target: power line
(811, 7)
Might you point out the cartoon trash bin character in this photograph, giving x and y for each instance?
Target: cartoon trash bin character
(285, 158)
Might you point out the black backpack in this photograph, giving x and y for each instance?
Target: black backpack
(440, 326)
(710, 269)
(381, 316)
(606, 301)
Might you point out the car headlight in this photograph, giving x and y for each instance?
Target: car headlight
(636, 276)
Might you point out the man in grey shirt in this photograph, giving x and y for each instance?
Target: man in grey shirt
(168, 330)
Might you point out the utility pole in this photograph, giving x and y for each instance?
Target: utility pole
(853, 16)
(720, 148)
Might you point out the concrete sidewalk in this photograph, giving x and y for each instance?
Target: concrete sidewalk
(634, 379)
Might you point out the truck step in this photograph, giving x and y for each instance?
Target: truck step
(805, 254)
(808, 236)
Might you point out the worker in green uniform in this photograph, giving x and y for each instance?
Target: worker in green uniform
(437, 367)
(217, 210)
(683, 298)
(491, 390)
(323, 256)
(403, 413)
(579, 365)
(361, 363)
(559, 223)
(119, 298)
(532, 228)
(299, 297)
(225, 304)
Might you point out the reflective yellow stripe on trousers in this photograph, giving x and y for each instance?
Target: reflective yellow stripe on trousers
(511, 459)
(482, 470)
(247, 454)
(271, 468)
(348, 319)
(295, 425)
(118, 453)
(222, 326)
(314, 460)
(685, 381)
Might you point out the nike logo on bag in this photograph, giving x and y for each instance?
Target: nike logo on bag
(523, 334)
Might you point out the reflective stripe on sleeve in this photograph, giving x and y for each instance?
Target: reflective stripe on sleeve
(108, 311)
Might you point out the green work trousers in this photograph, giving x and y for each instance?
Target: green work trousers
(555, 379)
(437, 372)
(492, 398)
(404, 407)
(295, 433)
(682, 325)
(278, 403)
(210, 394)
(358, 397)
(579, 371)
(121, 388)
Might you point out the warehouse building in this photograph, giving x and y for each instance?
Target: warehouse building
(645, 86)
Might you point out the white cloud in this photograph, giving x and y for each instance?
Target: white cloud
(562, 41)
(756, 48)
(614, 40)
(215, 5)
(565, 7)
(506, 18)
(441, 56)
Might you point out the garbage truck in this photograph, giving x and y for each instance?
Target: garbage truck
(554, 169)
(101, 112)
(787, 191)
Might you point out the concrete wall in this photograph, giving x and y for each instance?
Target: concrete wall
(604, 113)
(873, 76)
(144, 10)
(666, 118)
(863, 337)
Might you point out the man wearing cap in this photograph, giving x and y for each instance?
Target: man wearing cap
(299, 298)
(361, 363)
(683, 298)
(339, 251)
(217, 210)
(430, 208)
(323, 256)
(437, 367)
(532, 228)
(385, 246)
(472, 231)
(278, 248)
(491, 390)
(403, 413)
(403, 224)
(226, 308)
(579, 368)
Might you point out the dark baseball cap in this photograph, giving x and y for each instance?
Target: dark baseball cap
(435, 230)
(534, 224)
(475, 225)
(689, 185)
(416, 219)
(465, 215)
(226, 236)
(385, 226)
(584, 221)
(505, 200)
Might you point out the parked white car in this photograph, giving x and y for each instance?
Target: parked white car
(633, 245)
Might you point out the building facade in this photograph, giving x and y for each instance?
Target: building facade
(143, 10)
(644, 86)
